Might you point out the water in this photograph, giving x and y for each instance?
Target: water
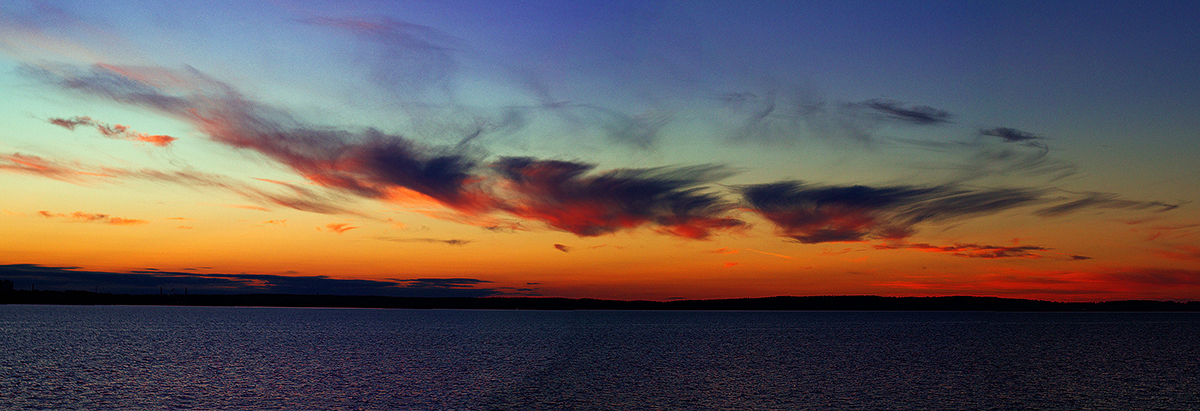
(104, 357)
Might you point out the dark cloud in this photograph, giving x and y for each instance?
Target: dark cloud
(1011, 135)
(451, 241)
(972, 250)
(560, 194)
(895, 110)
(816, 214)
(150, 281)
(563, 248)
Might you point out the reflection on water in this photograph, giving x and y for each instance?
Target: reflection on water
(287, 358)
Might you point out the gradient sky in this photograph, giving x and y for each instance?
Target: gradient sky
(629, 150)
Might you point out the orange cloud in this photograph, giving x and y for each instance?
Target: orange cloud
(118, 131)
(770, 254)
(30, 164)
(80, 216)
(339, 227)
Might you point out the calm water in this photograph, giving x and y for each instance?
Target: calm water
(286, 358)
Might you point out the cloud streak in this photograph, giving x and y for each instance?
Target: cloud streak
(895, 110)
(450, 241)
(119, 132)
(971, 250)
(83, 217)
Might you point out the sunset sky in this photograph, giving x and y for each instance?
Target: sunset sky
(626, 150)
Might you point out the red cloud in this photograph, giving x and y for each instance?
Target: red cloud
(1183, 252)
(1116, 283)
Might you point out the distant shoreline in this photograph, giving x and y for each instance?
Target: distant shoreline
(782, 303)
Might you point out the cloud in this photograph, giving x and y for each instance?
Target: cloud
(671, 199)
(813, 214)
(451, 241)
(1182, 252)
(35, 165)
(770, 254)
(565, 195)
(300, 198)
(149, 281)
(816, 214)
(339, 227)
(367, 163)
(408, 59)
(563, 248)
(118, 131)
(723, 250)
(83, 217)
(1104, 201)
(1011, 135)
(1102, 284)
(973, 250)
(895, 110)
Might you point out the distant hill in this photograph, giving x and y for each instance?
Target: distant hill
(813, 303)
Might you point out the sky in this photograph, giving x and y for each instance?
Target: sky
(602, 149)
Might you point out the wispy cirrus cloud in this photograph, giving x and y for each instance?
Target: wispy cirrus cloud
(83, 217)
(1093, 200)
(1011, 135)
(898, 111)
(447, 241)
(117, 131)
(36, 165)
(300, 198)
(971, 250)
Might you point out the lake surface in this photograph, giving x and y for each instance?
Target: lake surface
(103, 357)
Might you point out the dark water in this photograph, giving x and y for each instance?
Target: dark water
(284, 358)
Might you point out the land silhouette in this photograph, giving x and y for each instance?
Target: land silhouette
(780, 303)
